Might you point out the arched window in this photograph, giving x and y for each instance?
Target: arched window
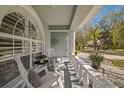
(13, 23)
(32, 30)
(18, 35)
(16, 24)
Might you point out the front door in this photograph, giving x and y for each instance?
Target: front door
(59, 43)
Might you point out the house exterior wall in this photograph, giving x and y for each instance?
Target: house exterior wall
(8, 67)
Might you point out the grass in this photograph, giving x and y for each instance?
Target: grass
(118, 63)
(118, 50)
(78, 51)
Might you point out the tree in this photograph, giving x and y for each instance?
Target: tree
(116, 18)
(80, 40)
(93, 32)
(109, 30)
(118, 30)
(105, 36)
(106, 39)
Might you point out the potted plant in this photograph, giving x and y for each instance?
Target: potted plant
(41, 59)
(96, 59)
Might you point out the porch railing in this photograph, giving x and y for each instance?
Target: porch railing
(89, 76)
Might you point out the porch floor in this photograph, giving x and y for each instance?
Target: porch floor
(68, 75)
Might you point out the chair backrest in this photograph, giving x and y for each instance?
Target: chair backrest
(23, 72)
(51, 52)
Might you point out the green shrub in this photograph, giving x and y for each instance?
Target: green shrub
(96, 59)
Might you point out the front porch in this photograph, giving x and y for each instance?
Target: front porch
(29, 31)
(74, 73)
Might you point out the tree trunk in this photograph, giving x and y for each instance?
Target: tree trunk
(104, 48)
(95, 42)
(95, 45)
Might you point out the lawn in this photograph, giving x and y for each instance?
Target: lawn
(118, 50)
(78, 51)
(119, 63)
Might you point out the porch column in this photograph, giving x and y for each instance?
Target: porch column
(71, 43)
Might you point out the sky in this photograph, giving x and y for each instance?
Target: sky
(105, 9)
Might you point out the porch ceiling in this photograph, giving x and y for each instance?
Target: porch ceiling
(62, 17)
(55, 14)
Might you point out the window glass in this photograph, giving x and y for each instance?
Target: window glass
(13, 22)
(31, 30)
(17, 46)
(6, 46)
(26, 47)
(33, 47)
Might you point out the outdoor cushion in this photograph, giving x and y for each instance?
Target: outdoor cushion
(34, 79)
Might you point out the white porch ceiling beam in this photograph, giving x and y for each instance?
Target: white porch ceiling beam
(82, 15)
(89, 15)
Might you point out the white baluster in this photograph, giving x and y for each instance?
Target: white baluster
(86, 80)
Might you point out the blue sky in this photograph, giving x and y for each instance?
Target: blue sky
(105, 9)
